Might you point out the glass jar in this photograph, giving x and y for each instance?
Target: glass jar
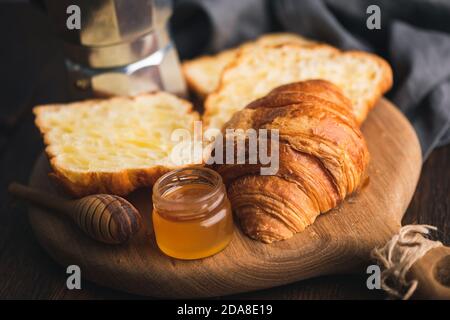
(192, 215)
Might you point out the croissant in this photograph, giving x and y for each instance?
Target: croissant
(322, 159)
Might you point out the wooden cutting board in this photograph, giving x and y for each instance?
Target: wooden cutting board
(339, 241)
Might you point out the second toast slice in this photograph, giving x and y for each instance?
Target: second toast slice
(363, 77)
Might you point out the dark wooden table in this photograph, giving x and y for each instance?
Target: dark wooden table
(33, 73)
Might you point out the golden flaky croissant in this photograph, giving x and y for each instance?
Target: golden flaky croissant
(322, 159)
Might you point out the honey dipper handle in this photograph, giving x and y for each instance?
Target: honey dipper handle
(38, 197)
(433, 274)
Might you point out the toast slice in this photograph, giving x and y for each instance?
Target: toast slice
(363, 77)
(114, 145)
(203, 74)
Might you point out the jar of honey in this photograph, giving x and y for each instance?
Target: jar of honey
(192, 215)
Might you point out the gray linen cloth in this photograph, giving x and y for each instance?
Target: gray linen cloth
(414, 37)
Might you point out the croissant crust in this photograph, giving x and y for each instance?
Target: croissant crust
(322, 159)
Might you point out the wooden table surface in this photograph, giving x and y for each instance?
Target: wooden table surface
(32, 73)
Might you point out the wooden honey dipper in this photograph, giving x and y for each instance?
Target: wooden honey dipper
(105, 218)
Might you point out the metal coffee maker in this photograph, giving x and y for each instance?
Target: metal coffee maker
(121, 47)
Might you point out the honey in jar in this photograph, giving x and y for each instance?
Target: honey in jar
(192, 216)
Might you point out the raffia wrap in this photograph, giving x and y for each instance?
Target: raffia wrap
(397, 257)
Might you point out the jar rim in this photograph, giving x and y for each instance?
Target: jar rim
(193, 207)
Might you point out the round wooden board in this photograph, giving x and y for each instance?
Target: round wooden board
(339, 241)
